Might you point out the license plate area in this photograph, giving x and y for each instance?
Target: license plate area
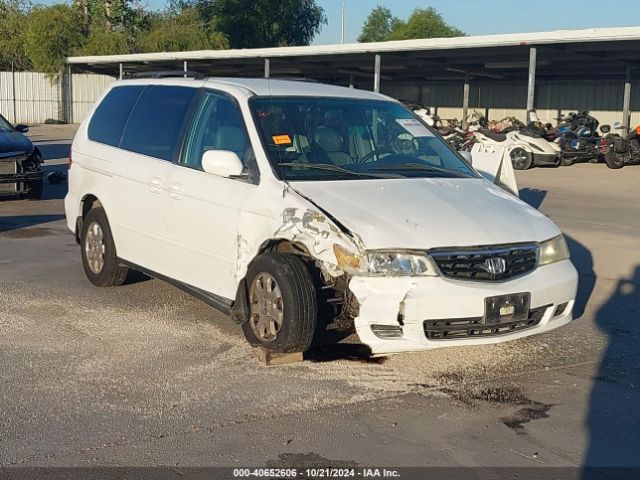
(507, 308)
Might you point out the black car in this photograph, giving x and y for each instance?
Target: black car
(20, 163)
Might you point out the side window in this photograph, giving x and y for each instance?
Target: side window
(217, 125)
(111, 115)
(156, 121)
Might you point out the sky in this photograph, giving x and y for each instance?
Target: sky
(474, 17)
(484, 17)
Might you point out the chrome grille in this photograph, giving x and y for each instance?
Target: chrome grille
(458, 328)
(471, 263)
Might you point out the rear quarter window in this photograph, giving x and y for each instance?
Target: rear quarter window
(111, 115)
(155, 125)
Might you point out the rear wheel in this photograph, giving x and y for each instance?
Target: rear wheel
(613, 160)
(283, 307)
(99, 257)
(521, 159)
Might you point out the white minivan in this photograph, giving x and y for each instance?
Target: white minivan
(298, 207)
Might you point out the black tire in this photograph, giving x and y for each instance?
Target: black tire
(521, 159)
(567, 161)
(35, 190)
(613, 160)
(298, 305)
(595, 159)
(111, 274)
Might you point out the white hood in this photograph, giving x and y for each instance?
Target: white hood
(424, 213)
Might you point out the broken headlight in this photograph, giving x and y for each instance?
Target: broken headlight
(553, 250)
(385, 263)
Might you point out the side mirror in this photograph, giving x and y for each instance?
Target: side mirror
(605, 128)
(617, 125)
(22, 128)
(222, 163)
(467, 156)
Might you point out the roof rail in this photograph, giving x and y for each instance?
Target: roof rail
(165, 74)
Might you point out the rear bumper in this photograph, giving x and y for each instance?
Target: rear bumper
(545, 158)
(408, 302)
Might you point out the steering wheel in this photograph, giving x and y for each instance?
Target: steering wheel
(373, 153)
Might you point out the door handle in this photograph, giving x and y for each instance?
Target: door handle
(175, 191)
(155, 185)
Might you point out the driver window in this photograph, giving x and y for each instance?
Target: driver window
(218, 125)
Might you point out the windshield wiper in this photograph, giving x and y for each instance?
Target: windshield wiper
(419, 166)
(331, 168)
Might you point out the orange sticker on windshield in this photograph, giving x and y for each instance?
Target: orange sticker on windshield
(282, 140)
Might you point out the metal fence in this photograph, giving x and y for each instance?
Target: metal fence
(30, 97)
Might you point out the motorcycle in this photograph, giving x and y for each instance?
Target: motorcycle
(578, 138)
(525, 147)
(619, 150)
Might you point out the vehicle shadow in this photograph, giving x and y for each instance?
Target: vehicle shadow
(55, 191)
(533, 196)
(8, 223)
(583, 261)
(613, 420)
(51, 151)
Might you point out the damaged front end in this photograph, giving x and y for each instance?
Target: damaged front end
(19, 171)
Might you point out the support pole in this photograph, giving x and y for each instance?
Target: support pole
(626, 105)
(70, 94)
(13, 92)
(531, 89)
(267, 68)
(465, 101)
(121, 72)
(376, 75)
(185, 67)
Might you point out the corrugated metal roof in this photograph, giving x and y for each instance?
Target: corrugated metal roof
(483, 41)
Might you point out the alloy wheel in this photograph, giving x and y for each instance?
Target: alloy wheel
(94, 248)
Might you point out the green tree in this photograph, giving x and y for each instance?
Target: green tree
(104, 42)
(13, 18)
(382, 26)
(424, 23)
(182, 31)
(268, 23)
(378, 25)
(52, 34)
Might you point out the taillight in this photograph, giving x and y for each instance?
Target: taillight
(604, 146)
(70, 161)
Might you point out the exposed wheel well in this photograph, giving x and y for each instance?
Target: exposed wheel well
(285, 246)
(89, 202)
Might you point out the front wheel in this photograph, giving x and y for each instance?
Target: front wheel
(99, 257)
(521, 159)
(283, 306)
(613, 160)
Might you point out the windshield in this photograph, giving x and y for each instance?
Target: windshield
(5, 127)
(340, 138)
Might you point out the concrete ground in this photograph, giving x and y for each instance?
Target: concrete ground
(144, 374)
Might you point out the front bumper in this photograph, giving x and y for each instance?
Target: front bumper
(16, 183)
(408, 302)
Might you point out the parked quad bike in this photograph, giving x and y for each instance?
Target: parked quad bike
(619, 151)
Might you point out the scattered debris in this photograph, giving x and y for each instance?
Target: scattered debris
(270, 358)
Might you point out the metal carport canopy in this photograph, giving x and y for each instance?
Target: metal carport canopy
(564, 54)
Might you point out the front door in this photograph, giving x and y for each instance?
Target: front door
(204, 209)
